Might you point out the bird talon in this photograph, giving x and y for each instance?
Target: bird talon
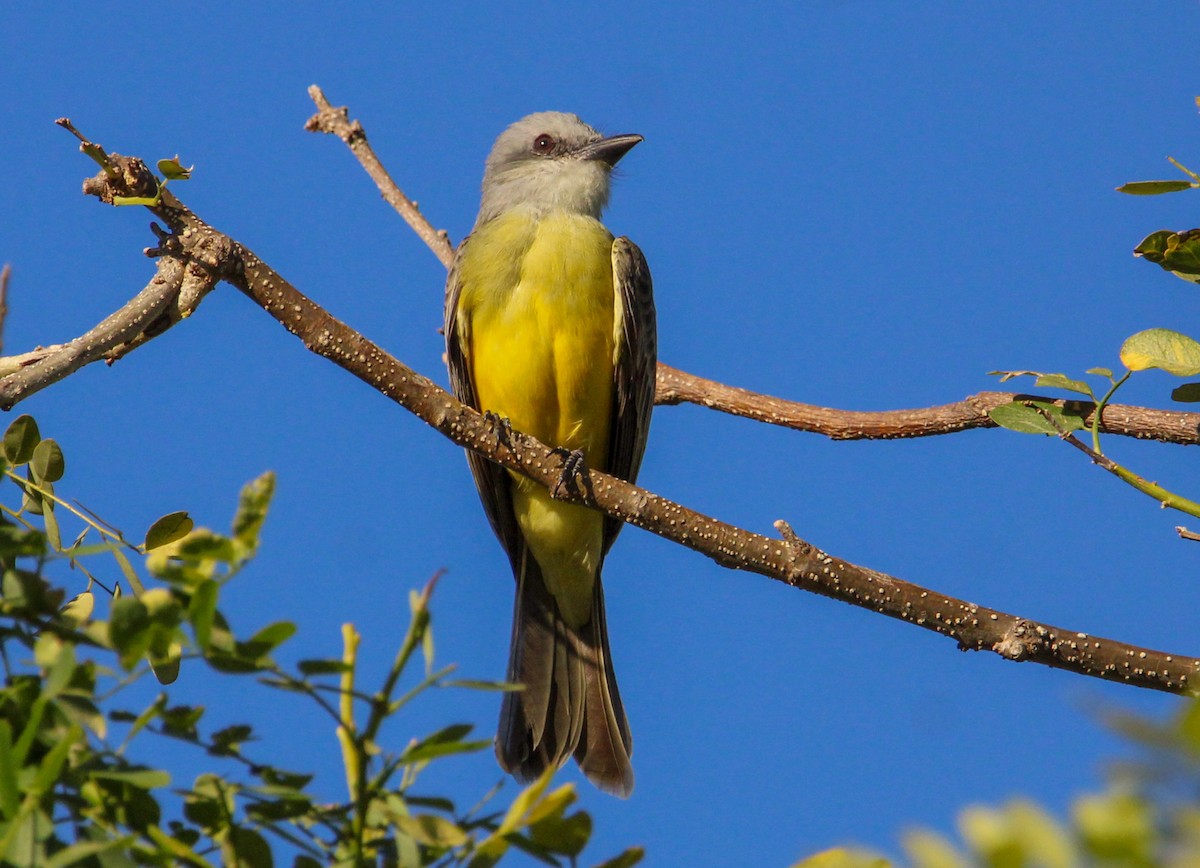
(574, 464)
(501, 427)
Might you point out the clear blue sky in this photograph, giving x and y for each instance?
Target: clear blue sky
(865, 205)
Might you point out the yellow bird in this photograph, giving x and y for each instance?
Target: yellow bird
(550, 324)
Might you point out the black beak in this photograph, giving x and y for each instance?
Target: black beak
(609, 150)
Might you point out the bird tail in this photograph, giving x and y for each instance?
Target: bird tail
(570, 704)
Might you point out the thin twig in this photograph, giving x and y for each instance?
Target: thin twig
(5, 275)
(337, 122)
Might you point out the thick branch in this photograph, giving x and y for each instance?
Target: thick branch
(678, 387)
(25, 374)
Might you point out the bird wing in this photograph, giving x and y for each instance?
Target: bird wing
(635, 362)
(492, 480)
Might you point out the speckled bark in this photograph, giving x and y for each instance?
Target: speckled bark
(678, 387)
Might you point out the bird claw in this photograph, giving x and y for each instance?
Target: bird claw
(501, 427)
(574, 465)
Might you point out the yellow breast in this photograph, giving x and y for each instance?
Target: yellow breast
(539, 297)
(537, 309)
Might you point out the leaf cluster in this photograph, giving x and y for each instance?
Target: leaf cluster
(72, 791)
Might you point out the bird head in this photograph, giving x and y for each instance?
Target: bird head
(551, 161)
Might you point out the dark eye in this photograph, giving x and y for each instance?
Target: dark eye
(544, 144)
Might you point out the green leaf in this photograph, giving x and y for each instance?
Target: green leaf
(1100, 372)
(1042, 840)
(1154, 188)
(50, 520)
(842, 857)
(1030, 417)
(21, 438)
(625, 859)
(1177, 252)
(165, 663)
(432, 830)
(565, 835)
(1062, 381)
(146, 779)
(267, 639)
(1116, 828)
(84, 851)
(128, 571)
(251, 848)
(79, 609)
(32, 501)
(475, 684)
(166, 530)
(1168, 350)
(52, 763)
(1188, 393)
(1187, 726)
(129, 626)
(47, 463)
(929, 850)
(10, 793)
(173, 170)
(253, 502)
(322, 667)
(201, 610)
(446, 741)
(225, 741)
(177, 848)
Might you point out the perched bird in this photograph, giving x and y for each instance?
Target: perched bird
(550, 325)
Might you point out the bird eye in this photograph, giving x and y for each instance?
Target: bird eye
(544, 144)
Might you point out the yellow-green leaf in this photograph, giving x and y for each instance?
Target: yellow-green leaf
(1168, 350)
(173, 170)
(171, 527)
(842, 857)
(432, 830)
(166, 666)
(1062, 381)
(929, 850)
(80, 608)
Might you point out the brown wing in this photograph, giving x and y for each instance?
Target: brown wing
(492, 481)
(636, 361)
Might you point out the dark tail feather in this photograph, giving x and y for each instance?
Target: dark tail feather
(570, 704)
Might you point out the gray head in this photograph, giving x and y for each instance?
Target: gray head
(549, 161)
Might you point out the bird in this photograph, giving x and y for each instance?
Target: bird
(550, 328)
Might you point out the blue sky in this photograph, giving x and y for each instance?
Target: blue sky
(867, 205)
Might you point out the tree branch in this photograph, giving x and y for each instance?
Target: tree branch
(336, 121)
(790, 560)
(679, 387)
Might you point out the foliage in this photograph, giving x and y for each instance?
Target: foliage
(1148, 816)
(1161, 348)
(71, 792)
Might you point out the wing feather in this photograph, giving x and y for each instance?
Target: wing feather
(635, 357)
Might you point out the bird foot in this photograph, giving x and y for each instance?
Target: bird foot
(574, 466)
(501, 427)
